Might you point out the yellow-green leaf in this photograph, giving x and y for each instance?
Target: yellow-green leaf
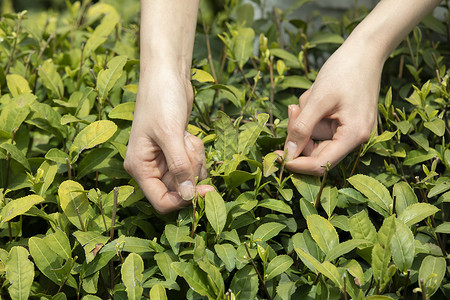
(132, 277)
(322, 232)
(17, 85)
(123, 111)
(19, 273)
(74, 202)
(18, 207)
(216, 211)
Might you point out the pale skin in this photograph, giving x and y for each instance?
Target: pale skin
(339, 110)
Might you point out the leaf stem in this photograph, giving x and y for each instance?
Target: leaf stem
(272, 91)
(208, 47)
(424, 292)
(354, 165)
(322, 185)
(113, 217)
(69, 169)
(13, 50)
(257, 272)
(406, 285)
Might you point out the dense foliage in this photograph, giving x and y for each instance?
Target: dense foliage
(75, 225)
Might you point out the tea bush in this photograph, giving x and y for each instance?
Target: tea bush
(75, 225)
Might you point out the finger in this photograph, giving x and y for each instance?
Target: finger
(300, 128)
(162, 200)
(203, 189)
(196, 154)
(175, 152)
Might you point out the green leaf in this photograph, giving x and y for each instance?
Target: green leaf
(296, 82)
(437, 126)
(216, 212)
(326, 38)
(16, 154)
(322, 232)
(59, 243)
(248, 137)
(164, 261)
(123, 111)
(329, 200)
(404, 196)
(201, 76)
(49, 170)
(132, 277)
(277, 266)
(227, 138)
(104, 29)
(381, 258)
(195, 277)
(158, 292)
(355, 269)
(345, 247)
(74, 202)
(89, 240)
(443, 228)
(432, 271)
(106, 79)
(174, 234)
(267, 231)
(93, 135)
(403, 247)
(379, 297)
(417, 212)
(51, 79)
(361, 227)
(227, 253)
(290, 59)
(307, 186)
(386, 232)
(45, 259)
(245, 283)
(276, 205)
(57, 156)
(269, 164)
(375, 191)
(415, 157)
(19, 272)
(18, 207)
(307, 208)
(442, 185)
(243, 45)
(17, 85)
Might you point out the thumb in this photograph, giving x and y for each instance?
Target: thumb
(179, 165)
(300, 127)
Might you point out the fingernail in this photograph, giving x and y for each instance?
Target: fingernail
(289, 111)
(186, 190)
(187, 141)
(291, 149)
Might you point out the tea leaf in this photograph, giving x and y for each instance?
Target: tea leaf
(123, 111)
(216, 212)
(17, 85)
(45, 259)
(57, 156)
(417, 212)
(437, 126)
(158, 292)
(443, 228)
(132, 269)
(19, 273)
(94, 134)
(243, 46)
(248, 137)
(361, 227)
(89, 240)
(174, 234)
(345, 247)
(381, 258)
(374, 191)
(106, 79)
(404, 196)
(417, 156)
(403, 247)
(246, 282)
(74, 202)
(164, 261)
(276, 205)
(329, 200)
(386, 232)
(307, 186)
(227, 253)
(59, 243)
(16, 154)
(51, 79)
(432, 271)
(267, 231)
(323, 233)
(226, 141)
(269, 164)
(195, 277)
(18, 207)
(277, 266)
(201, 76)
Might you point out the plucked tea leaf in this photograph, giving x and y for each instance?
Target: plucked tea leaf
(403, 246)
(18, 207)
(19, 273)
(94, 134)
(322, 232)
(245, 283)
(277, 266)
(132, 269)
(374, 191)
(74, 202)
(432, 271)
(51, 79)
(106, 79)
(123, 111)
(195, 277)
(158, 292)
(267, 231)
(216, 212)
(417, 212)
(227, 253)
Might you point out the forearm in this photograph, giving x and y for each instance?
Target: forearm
(388, 24)
(167, 34)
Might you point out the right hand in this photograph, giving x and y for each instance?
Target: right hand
(161, 156)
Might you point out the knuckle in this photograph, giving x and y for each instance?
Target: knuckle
(301, 129)
(178, 166)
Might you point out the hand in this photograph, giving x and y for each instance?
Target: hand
(339, 111)
(161, 156)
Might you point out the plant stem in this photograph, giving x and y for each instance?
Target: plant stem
(272, 91)
(279, 29)
(345, 287)
(100, 202)
(69, 169)
(113, 217)
(104, 285)
(80, 219)
(208, 47)
(358, 157)
(13, 50)
(257, 272)
(322, 185)
(424, 293)
(243, 75)
(249, 98)
(406, 285)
